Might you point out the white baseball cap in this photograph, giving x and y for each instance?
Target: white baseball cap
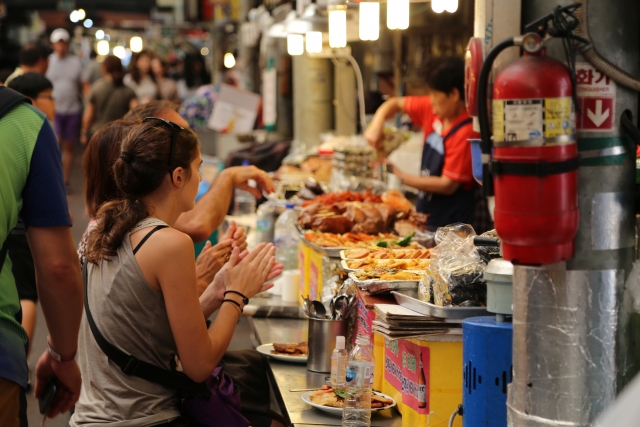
(58, 35)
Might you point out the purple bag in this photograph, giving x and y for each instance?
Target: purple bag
(221, 409)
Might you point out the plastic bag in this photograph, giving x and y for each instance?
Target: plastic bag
(455, 273)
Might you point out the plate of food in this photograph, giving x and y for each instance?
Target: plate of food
(368, 264)
(359, 254)
(286, 352)
(331, 400)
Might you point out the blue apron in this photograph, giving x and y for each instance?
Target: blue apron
(443, 210)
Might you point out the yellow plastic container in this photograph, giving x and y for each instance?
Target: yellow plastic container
(303, 265)
(442, 369)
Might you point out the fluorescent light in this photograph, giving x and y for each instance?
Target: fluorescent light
(103, 47)
(99, 35)
(314, 41)
(438, 6)
(229, 60)
(88, 23)
(337, 26)
(295, 44)
(119, 51)
(135, 44)
(369, 20)
(451, 6)
(398, 14)
(205, 51)
(81, 14)
(73, 16)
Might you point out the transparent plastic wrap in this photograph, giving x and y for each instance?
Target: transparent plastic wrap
(454, 276)
(488, 246)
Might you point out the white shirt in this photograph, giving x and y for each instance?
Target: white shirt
(65, 74)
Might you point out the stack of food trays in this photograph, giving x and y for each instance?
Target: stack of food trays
(382, 270)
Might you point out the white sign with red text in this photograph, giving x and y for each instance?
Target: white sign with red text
(596, 99)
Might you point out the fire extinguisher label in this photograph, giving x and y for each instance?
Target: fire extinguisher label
(533, 119)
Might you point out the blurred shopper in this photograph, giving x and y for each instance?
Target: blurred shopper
(92, 73)
(34, 58)
(109, 99)
(140, 267)
(168, 87)
(39, 90)
(31, 185)
(141, 79)
(195, 75)
(65, 71)
(212, 207)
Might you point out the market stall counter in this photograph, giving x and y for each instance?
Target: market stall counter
(294, 376)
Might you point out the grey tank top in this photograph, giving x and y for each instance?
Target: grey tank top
(132, 316)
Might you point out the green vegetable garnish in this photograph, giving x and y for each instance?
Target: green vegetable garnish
(405, 242)
(382, 244)
(340, 392)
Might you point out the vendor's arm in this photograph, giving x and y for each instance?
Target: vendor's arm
(210, 210)
(388, 109)
(430, 184)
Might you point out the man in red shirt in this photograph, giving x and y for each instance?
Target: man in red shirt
(446, 181)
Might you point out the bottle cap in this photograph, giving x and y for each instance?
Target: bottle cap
(362, 340)
(289, 205)
(339, 343)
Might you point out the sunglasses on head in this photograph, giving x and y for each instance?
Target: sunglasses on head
(174, 136)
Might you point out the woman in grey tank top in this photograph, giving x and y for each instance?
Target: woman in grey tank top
(142, 283)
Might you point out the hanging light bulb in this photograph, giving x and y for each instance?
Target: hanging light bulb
(438, 6)
(81, 14)
(451, 6)
(398, 14)
(337, 25)
(295, 44)
(369, 21)
(119, 51)
(136, 44)
(99, 35)
(229, 60)
(314, 41)
(103, 47)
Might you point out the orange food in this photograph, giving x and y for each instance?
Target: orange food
(397, 200)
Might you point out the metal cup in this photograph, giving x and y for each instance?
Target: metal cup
(322, 341)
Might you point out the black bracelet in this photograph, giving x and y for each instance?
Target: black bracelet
(245, 300)
(236, 303)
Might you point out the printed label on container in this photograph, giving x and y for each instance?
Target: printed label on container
(407, 370)
(525, 119)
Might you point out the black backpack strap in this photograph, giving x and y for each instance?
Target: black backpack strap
(144, 239)
(9, 99)
(133, 366)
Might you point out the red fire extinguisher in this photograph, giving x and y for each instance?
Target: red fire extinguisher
(531, 164)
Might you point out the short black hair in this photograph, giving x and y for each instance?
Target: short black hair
(31, 53)
(30, 84)
(446, 74)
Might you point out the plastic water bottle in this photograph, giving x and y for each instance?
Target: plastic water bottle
(287, 238)
(357, 403)
(244, 203)
(265, 222)
(339, 359)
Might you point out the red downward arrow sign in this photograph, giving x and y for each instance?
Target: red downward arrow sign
(599, 117)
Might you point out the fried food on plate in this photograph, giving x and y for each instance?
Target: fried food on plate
(295, 349)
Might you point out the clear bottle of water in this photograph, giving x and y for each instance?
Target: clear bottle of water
(287, 238)
(244, 203)
(265, 222)
(357, 403)
(339, 359)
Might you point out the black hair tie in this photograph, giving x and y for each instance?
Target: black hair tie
(126, 156)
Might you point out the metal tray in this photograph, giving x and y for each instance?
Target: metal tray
(379, 286)
(409, 299)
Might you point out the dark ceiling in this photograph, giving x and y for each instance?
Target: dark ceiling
(141, 6)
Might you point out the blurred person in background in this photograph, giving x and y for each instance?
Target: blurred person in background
(65, 72)
(92, 72)
(109, 99)
(209, 212)
(167, 87)
(195, 75)
(34, 58)
(4, 74)
(141, 79)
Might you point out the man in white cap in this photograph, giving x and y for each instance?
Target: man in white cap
(65, 72)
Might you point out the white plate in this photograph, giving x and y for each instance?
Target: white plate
(338, 411)
(266, 350)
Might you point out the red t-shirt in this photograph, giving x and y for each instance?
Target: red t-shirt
(457, 152)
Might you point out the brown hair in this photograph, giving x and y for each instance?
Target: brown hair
(133, 69)
(97, 164)
(113, 66)
(140, 170)
(150, 109)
